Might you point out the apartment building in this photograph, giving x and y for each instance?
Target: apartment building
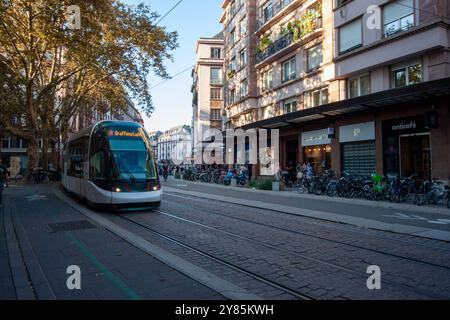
(294, 62)
(175, 145)
(363, 85)
(207, 88)
(239, 22)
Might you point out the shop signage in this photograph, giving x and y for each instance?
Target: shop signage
(315, 138)
(357, 132)
(405, 125)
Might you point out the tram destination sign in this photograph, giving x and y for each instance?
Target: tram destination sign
(124, 134)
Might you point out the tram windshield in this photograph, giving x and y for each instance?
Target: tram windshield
(131, 154)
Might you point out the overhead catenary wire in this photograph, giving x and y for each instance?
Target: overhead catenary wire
(169, 12)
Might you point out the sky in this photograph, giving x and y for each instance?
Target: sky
(192, 19)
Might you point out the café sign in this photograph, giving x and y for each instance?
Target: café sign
(315, 138)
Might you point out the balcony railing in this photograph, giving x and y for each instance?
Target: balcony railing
(275, 47)
(399, 25)
(285, 41)
(266, 13)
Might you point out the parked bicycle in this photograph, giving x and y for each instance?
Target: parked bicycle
(38, 176)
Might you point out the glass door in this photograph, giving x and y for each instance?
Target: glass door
(415, 155)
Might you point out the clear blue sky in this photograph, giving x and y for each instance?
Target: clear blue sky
(192, 19)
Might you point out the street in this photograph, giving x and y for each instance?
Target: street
(197, 246)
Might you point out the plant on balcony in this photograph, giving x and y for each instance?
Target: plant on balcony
(307, 24)
(231, 74)
(264, 43)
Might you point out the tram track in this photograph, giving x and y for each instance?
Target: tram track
(254, 275)
(433, 265)
(251, 274)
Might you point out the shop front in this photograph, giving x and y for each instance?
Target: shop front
(358, 148)
(407, 147)
(317, 150)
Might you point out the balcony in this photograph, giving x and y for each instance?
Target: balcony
(266, 13)
(275, 47)
(297, 32)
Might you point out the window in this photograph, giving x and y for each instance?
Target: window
(407, 75)
(216, 53)
(233, 37)
(216, 76)
(350, 36)
(5, 143)
(14, 142)
(243, 58)
(243, 27)
(289, 105)
(232, 8)
(98, 165)
(216, 94)
(289, 70)
(232, 96)
(243, 89)
(267, 80)
(216, 114)
(233, 66)
(268, 112)
(320, 97)
(314, 57)
(268, 12)
(358, 86)
(398, 16)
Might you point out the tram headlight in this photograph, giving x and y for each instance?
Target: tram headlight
(155, 188)
(117, 189)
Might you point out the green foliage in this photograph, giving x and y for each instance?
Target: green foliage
(231, 74)
(265, 184)
(114, 52)
(264, 43)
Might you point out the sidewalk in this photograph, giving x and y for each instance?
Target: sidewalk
(41, 236)
(294, 195)
(392, 217)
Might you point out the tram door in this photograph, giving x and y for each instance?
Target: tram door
(415, 155)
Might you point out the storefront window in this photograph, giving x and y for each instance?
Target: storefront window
(319, 157)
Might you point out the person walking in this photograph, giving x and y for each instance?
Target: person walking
(2, 182)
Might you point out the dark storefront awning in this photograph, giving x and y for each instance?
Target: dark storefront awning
(427, 91)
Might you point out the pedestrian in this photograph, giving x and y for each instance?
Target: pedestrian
(2, 183)
(5, 172)
(249, 171)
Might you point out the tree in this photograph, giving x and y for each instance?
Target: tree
(50, 71)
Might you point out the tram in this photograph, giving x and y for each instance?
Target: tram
(111, 166)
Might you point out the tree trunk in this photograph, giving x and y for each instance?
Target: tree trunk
(45, 147)
(32, 154)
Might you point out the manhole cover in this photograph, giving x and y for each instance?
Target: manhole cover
(70, 226)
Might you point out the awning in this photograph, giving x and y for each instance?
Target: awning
(425, 91)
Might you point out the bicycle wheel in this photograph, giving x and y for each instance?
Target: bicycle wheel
(332, 189)
(302, 187)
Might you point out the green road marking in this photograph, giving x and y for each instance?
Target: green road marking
(129, 293)
(118, 282)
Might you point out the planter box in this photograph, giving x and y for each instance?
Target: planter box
(276, 186)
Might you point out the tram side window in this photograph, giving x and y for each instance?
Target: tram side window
(76, 156)
(98, 163)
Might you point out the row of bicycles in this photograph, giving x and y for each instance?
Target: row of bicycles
(40, 176)
(216, 175)
(378, 187)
